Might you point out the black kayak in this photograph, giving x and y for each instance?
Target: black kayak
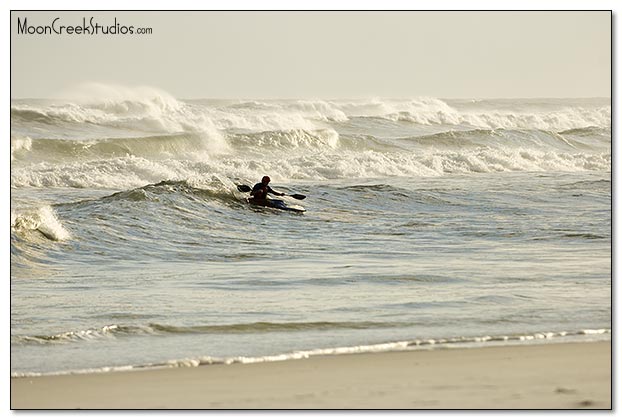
(278, 204)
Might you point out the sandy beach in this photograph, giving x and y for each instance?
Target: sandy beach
(551, 376)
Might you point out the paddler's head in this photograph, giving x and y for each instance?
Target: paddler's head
(265, 180)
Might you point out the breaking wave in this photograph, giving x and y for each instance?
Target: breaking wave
(131, 170)
(116, 137)
(42, 220)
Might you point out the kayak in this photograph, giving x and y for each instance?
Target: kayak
(278, 204)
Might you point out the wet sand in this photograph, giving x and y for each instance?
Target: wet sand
(550, 376)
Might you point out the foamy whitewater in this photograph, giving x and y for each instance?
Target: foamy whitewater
(430, 223)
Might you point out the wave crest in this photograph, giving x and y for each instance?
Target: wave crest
(42, 220)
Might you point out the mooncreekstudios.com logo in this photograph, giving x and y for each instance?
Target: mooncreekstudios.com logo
(88, 27)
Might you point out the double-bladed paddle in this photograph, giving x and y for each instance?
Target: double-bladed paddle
(246, 188)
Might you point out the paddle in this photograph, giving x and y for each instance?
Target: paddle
(246, 188)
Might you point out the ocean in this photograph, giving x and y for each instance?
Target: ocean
(429, 223)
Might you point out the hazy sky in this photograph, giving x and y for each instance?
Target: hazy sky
(322, 54)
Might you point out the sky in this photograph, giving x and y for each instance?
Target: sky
(469, 54)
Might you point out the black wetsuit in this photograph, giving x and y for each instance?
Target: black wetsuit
(259, 193)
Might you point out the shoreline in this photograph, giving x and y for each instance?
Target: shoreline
(598, 334)
(540, 376)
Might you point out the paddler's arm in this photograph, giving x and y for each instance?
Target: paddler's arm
(271, 191)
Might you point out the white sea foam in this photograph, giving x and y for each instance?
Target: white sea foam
(131, 171)
(122, 99)
(20, 143)
(43, 220)
(133, 108)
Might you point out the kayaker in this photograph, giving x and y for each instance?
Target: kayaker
(259, 193)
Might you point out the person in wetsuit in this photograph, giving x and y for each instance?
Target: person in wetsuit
(259, 193)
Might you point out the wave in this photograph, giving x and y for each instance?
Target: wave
(589, 131)
(20, 144)
(301, 115)
(149, 109)
(567, 119)
(433, 111)
(190, 197)
(506, 138)
(113, 137)
(131, 171)
(197, 146)
(184, 145)
(96, 109)
(116, 331)
(406, 345)
(284, 140)
(42, 220)
(214, 188)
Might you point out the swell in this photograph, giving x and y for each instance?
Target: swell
(204, 190)
(27, 115)
(33, 226)
(117, 331)
(589, 138)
